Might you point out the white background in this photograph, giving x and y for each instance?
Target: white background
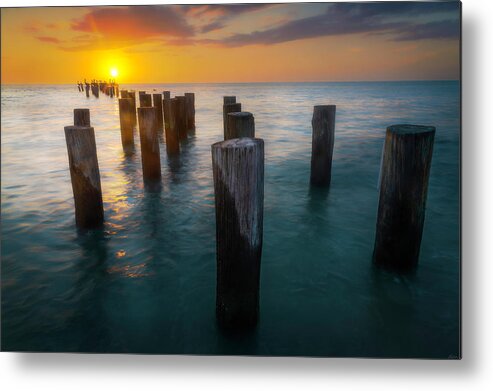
(473, 372)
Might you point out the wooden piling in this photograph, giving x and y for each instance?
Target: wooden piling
(240, 124)
(131, 95)
(124, 94)
(229, 108)
(229, 99)
(190, 111)
(238, 171)
(166, 95)
(158, 105)
(84, 174)
(87, 90)
(145, 100)
(126, 124)
(82, 117)
(171, 130)
(149, 143)
(180, 119)
(166, 112)
(323, 127)
(403, 188)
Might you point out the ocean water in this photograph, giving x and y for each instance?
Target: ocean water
(145, 283)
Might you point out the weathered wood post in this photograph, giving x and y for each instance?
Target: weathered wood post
(229, 99)
(180, 119)
(403, 188)
(149, 144)
(240, 124)
(82, 117)
(158, 105)
(323, 127)
(190, 111)
(166, 95)
(172, 132)
(238, 171)
(124, 93)
(84, 174)
(229, 108)
(112, 91)
(145, 100)
(126, 124)
(87, 90)
(166, 112)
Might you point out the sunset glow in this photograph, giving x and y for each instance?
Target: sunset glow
(232, 43)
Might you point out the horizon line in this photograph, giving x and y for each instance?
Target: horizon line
(254, 82)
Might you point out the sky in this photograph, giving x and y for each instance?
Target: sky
(232, 43)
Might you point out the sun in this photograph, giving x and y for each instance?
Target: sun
(114, 72)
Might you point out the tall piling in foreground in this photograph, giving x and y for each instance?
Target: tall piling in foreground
(403, 188)
(171, 130)
(229, 108)
(157, 100)
(239, 124)
(149, 144)
(323, 128)
(190, 111)
(229, 99)
(84, 174)
(180, 118)
(145, 100)
(82, 117)
(238, 171)
(126, 124)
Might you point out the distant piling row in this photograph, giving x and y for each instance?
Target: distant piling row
(238, 176)
(94, 87)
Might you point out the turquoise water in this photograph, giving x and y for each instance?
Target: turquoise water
(145, 283)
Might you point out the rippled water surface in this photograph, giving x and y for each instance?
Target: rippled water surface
(146, 282)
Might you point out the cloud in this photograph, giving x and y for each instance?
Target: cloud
(218, 15)
(49, 39)
(347, 18)
(134, 23)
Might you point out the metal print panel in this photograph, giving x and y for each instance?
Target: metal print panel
(233, 179)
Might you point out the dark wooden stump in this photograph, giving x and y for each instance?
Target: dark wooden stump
(238, 170)
(229, 99)
(124, 94)
(190, 111)
(84, 173)
(87, 90)
(323, 125)
(171, 131)
(403, 188)
(82, 117)
(149, 144)
(229, 108)
(166, 95)
(240, 125)
(158, 105)
(126, 124)
(131, 95)
(145, 100)
(166, 112)
(180, 118)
